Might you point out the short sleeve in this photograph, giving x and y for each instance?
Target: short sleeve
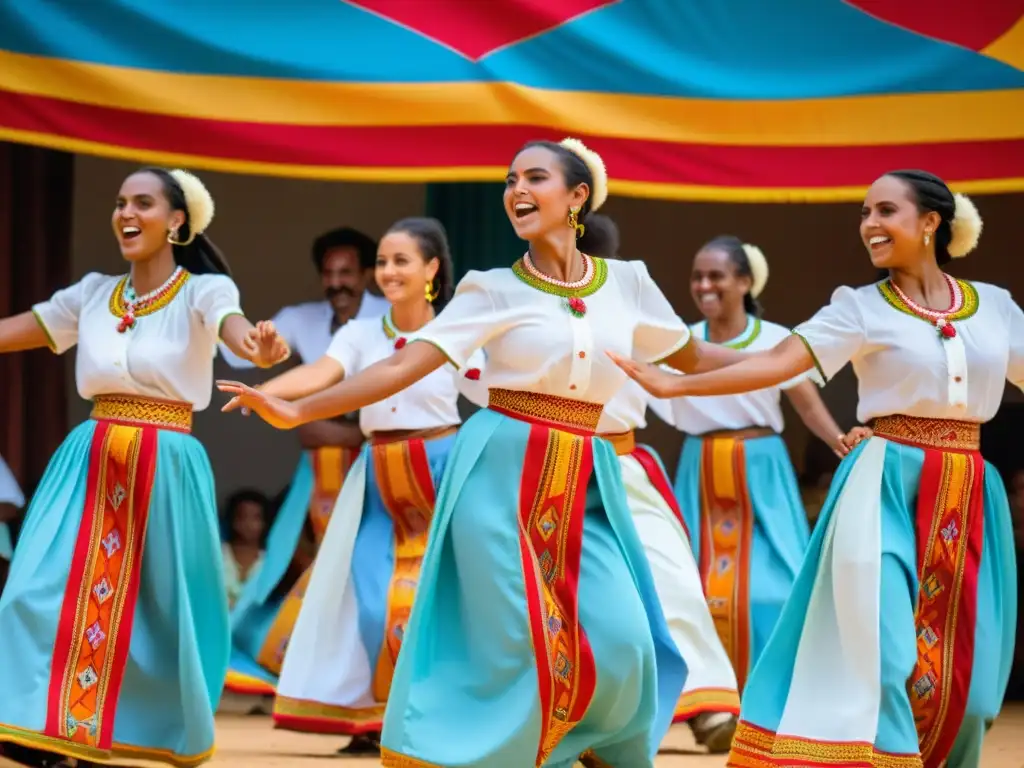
(215, 298)
(835, 334)
(470, 381)
(1015, 362)
(659, 331)
(468, 322)
(58, 317)
(344, 346)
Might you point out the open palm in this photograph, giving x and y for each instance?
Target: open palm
(276, 412)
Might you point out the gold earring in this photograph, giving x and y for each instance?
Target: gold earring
(574, 222)
(172, 237)
(429, 292)
(927, 237)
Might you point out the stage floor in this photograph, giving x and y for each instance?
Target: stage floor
(250, 742)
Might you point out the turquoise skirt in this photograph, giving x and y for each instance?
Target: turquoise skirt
(115, 616)
(264, 616)
(749, 532)
(536, 635)
(902, 618)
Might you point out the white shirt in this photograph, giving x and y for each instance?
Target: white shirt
(902, 364)
(627, 410)
(10, 491)
(428, 403)
(307, 328)
(168, 354)
(761, 408)
(534, 344)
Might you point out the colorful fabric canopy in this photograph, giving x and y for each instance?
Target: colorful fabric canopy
(742, 100)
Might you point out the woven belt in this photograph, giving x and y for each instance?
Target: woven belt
(398, 435)
(747, 433)
(136, 411)
(946, 434)
(551, 410)
(624, 443)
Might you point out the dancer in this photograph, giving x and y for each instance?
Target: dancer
(115, 619)
(905, 606)
(536, 634)
(735, 481)
(357, 597)
(344, 259)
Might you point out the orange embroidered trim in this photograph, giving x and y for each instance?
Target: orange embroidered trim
(317, 717)
(117, 751)
(754, 747)
(727, 529)
(944, 434)
(696, 702)
(624, 443)
(552, 498)
(390, 759)
(402, 472)
(136, 411)
(95, 625)
(247, 685)
(554, 411)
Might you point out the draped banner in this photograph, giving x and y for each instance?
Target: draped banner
(739, 100)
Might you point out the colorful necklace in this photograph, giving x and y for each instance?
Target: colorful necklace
(963, 303)
(127, 307)
(595, 273)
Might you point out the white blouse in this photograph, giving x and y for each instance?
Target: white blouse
(761, 408)
(534, 343)
(428, 403)
(626, 411)
(168, 354)
(904, 366)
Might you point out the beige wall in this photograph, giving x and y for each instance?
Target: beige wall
(265, 226)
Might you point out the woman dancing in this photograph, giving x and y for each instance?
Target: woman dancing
(735, 481)
(115, 618)
(536, 627)
(357, 598)
(905, 606)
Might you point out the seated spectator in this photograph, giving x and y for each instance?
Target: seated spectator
(246, 522)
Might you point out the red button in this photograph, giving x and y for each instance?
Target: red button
(582, 355)
(572, 386)
(957, 379)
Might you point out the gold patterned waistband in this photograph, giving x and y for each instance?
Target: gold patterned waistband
(554, 411)
(745, 433)
(399, 435)
(136, 411)
(624, 443)
(946, 434)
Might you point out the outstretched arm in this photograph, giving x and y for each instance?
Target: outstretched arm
(260, 344)
(304, 380)
(785, 360)
(22, 332)
(393, 374)
(699, 356)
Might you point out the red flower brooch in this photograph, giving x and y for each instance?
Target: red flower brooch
(473, 374)
(399, 342)
(946, 330)
(576, 306)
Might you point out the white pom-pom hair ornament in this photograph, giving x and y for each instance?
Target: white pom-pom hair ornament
(198, 201)
(758, 269)
(594, 163)
(965, 227)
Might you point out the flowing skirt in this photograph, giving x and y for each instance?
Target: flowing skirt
(115, 617)
(338, 669)
(711, 682)
(902, 617)
(263, 619)
(530, 641)
(749, 533)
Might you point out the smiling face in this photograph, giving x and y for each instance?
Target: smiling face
(401, 271)
(343, 278)
(716, 288)
(891, 226)
(143, 217)
(536, 198)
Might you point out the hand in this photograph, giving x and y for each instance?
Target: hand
(265, 346)
(654, 379)
(849, 441)
(276, 412)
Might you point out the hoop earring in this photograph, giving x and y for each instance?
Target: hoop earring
(429, 293)
(172, 237)
(574, 222)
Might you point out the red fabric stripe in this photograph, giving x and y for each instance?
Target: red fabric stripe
(489, 146)
(142, 492)
(69, 608)
(656, 474)
(420, 465)
(586, 668)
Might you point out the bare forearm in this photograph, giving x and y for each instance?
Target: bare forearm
(380, 380)
(786, 360)
(233, 331)
(304, 380)
(22, 332)
(702, 356)
(814, 413)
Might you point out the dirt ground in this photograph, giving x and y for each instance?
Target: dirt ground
(251, 742)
